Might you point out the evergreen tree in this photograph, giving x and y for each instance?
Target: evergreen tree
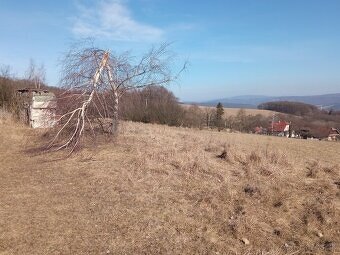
(219, 116)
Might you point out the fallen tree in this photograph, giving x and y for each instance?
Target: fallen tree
(94, 80)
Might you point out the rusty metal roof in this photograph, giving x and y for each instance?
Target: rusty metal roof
(26, 90)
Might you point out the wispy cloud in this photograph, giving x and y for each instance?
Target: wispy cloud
(114, 21)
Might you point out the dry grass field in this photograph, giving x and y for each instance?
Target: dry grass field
(164, 190)
(234, 111)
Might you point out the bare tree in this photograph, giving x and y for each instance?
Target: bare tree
(36, 74)
(5, 71)
(209, 113)
(95, 79)
(6, 89)
(194, 117)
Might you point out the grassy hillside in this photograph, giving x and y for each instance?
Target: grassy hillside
(234, 111)
(168, 190)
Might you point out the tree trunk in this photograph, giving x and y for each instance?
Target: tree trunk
(115, 117)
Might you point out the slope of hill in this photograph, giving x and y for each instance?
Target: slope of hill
(326, 101)
(234, 110)
(162, 190)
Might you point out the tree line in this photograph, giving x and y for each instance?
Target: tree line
(152, 104)
(156, 104)
(297, 108)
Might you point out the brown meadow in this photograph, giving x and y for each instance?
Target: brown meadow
(233, 111)
(167, 190)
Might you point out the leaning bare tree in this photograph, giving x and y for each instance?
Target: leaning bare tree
(94, 80)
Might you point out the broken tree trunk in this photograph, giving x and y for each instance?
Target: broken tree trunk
(80, 112)
(115, 117)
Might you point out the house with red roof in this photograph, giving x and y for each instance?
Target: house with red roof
(279, 128)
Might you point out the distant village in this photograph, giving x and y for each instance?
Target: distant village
(284, 129)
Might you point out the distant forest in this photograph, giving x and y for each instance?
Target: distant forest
(296, 108)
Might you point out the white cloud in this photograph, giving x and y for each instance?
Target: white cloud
(114, 21)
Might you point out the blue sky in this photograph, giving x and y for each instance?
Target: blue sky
(239, 47)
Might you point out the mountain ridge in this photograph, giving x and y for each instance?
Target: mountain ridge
(325, 101)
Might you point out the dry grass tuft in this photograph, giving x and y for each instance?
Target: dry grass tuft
(254, 158)
(3, 113)
(313, 169)
(6, 117)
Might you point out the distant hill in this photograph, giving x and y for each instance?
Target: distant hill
(295, 108)
(326, 101)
